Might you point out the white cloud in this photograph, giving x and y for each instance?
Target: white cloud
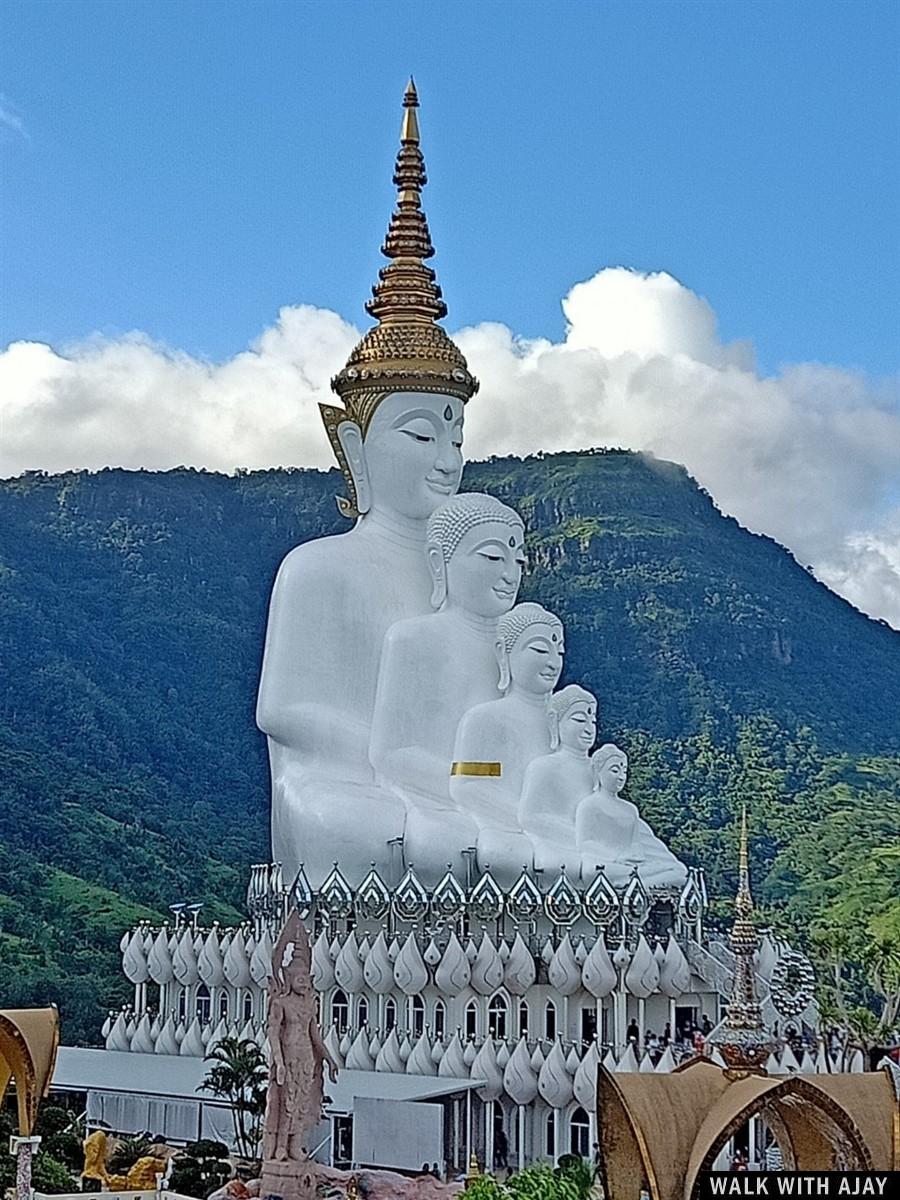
(810, 456)
(11, 117)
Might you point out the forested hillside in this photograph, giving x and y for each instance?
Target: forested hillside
(132, 611)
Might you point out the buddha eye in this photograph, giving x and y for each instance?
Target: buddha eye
(418, 437)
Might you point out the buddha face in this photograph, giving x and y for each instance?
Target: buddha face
(613, 774)
(536, 659)
(578, 727)
(485, 569)
(412, 453)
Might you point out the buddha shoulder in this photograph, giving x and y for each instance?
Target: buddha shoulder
(409, 631)
(314, 560)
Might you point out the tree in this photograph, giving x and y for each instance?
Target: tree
(239, 1075)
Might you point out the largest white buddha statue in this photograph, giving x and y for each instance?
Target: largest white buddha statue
(398, 441)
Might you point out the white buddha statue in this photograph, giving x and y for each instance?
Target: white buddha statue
(497, 740)
(555, 783)
(434, 668)
(398, 441)
(610, 833)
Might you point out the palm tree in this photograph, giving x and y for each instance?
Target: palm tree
(239, 1075)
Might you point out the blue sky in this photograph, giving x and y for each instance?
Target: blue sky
(187, 168)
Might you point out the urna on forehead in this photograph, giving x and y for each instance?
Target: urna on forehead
(526, 616)
(449, 524)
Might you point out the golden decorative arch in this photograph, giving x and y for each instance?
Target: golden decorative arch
(29, 1038)
(810, 1118)
(647, 1126)
(661, 1131)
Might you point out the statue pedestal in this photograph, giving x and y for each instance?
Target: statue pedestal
(289, 1180)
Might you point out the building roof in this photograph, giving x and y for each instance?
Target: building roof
(82, 1070)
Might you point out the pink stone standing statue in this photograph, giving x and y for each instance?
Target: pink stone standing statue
(294, 1105)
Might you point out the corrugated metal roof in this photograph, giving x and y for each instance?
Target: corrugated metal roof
(80, 1070)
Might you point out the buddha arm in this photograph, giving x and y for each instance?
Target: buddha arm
(586, 820)
(405, 727)
(414, 767)
(305, 701)
(317, 730)
(536, 793)
(486, 798)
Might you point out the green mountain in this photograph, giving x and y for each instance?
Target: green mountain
(132, 612)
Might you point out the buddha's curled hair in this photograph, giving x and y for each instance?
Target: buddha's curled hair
(449, 524)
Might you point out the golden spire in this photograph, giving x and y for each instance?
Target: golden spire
(744, 901)
(742, 1038)
(407, 351)
(406, 290)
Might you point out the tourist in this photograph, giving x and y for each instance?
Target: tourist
(739, 1162)
(501, 1150)
(667, 1034)
(706, 1028)
(632, 1033)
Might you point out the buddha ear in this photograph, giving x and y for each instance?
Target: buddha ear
(351, 439)
(502, 656)
(595, 770)
(437, 568)
(553, 721)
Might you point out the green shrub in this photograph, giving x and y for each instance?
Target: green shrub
(50, 1175)
(577, 1172)
(486, 1187)
(126, 1153)
(200, 1168)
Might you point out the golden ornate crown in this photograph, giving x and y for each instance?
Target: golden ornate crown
(407, 351)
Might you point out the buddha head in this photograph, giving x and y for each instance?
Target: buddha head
(408, 458)
(530, 648)
(610, 769)
(573, 719)
(398, 438)
(475, 547)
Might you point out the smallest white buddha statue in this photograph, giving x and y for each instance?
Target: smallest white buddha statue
(436, 667)
(556, 783)
(611, 833)
(496, 741)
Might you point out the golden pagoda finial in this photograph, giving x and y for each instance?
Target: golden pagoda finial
(409, 130)
(407, 351)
